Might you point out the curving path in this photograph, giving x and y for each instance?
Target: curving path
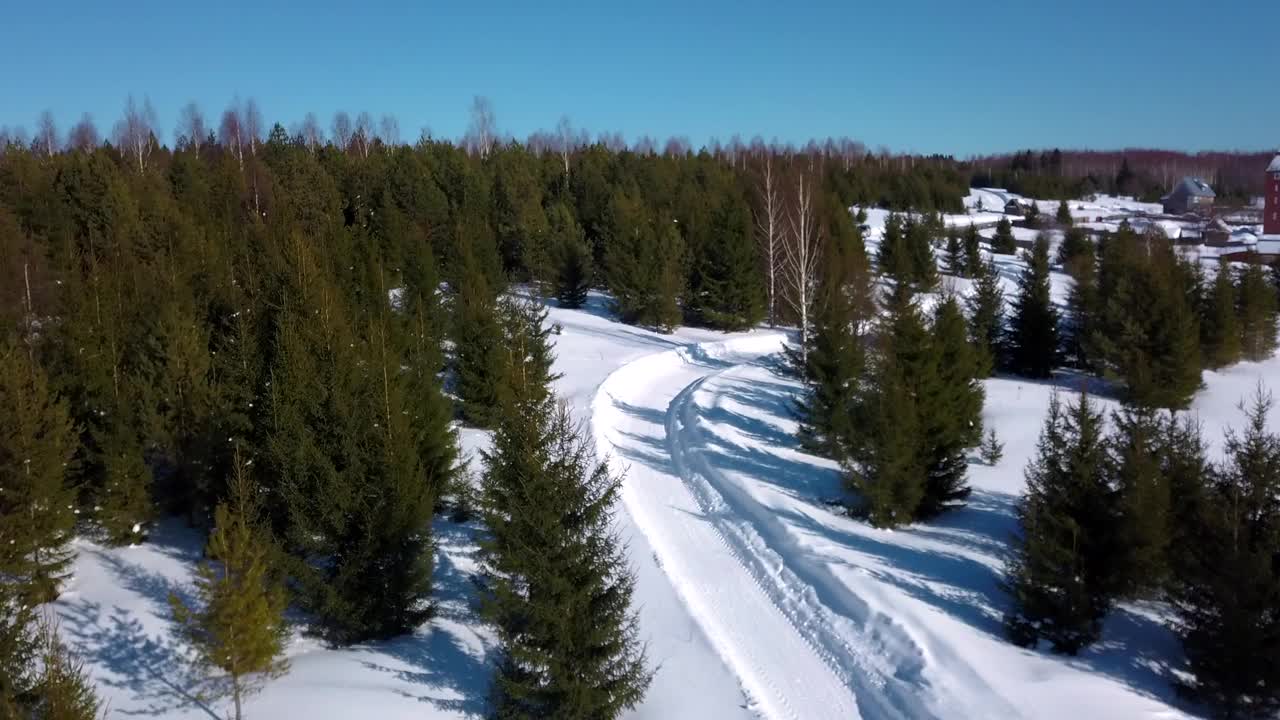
(801, 645)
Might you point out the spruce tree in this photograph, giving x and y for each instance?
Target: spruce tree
(1257, 303)
(1226, 602)
(1031, 343)
(477, 335)
(63, 690)
(1064, 214)
(1032, 216)
(950, 398)
(954, 260)
(836, 357)
(554, 576)
(893, 260)
(124, 509)
(1185, 466)
(972, 243)
(1082, 309)
(986, 316)
(1062, 575)
(727, 292)
(37, 501)
(918, 236)
(572, 260)
(886, 458)
(1145, 498)
(237, 622)
(991, 450)
(19, 646)
(1075, 244)
(1004, 243)
(1220, 334)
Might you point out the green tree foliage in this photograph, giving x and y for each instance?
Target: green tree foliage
(1145, 498)
(1257, 308)
(477, 334)
(1083, 307)
(236, 621)
(1155, 352)
(1220, 333)
(1075, 244)
(1004, 243)
(63, 690)
(986, 316)
(1031, 345)
(1062, 575)
(37, 501)
(1032, 216)
(725, 289)
(124, 508)
(572, 266)
(644, 264)
(836, 358)
(1226, 601)
(951, 396)
(972, 245)
(953, 259)
(555, 581)
(1064, 214)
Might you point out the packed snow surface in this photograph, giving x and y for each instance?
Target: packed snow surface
(757, 595)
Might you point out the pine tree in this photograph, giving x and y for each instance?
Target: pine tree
(477, 336)
(1031, 344)
(37, 502)
(886, 457)
(1257, 303)
(554, 576)
(572, 259)
(237, 622)
(919, 242)
(1220, 334)
(727, 292)
(1075, 244)
(986, 316)
(1062, 576)
(19, 647)
(644, 264)
(1185, 466)
(954, 260)
(1082, 309)
(991, 450)
(124, 509)
(1064, 214)
(1032, 217)
(836, 358)
(893, 260)
(1145, 498)
(63, 689)
(1226, 602)
(972, 243)
(950, 398)
(1004, 243)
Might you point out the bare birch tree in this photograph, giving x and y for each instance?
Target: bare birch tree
(310, 132)
(83, 135)
(769, 227)
(800, 258)
(362, 137)
(389, 131)
(191, 131)
(482, 132)
(564, 141)
(135, 132)
(341, 130)
(251, 121)
(231, 132)
(46, 141)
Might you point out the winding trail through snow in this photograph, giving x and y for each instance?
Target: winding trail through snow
(801, 645)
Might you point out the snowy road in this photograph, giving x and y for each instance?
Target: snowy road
(765, 614)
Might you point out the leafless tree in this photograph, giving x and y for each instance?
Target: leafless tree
(231, 131)
(363, 135)
(769, 227)
(676, 147)
(613, 141)
(341, 129)
(46, 140)
(800, 258)
(251, 122)
(482, 133)
(646, 145)
(310, 132)
(564, 141)
(83, 135)
(389, 131)
(191, 131)
(135, 132)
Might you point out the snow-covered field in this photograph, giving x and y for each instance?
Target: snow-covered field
(757, 597)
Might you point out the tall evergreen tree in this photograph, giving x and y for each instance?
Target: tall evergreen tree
(952, 397)
(1062, 576)
(954, 261)
(726, 291)
(1145, 498)
(237, 623)
(1220, 333)
(1064, 214)
(555, 581)
(1226, 602)
(972, 243)
(1257, 303)
(571, 256)
(1031, 344)
(986, 316)
(63, 690)
(37, 502)
(893, 260)
(477, 337)
(1082, 308)
(1004, 243)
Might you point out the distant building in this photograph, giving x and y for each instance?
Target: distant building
(1271, 210)
(1190, 195)
(1016, 206)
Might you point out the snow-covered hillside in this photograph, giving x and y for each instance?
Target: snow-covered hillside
(757, 596)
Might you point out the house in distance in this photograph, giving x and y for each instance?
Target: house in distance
(1190, 195)
(1271, 199)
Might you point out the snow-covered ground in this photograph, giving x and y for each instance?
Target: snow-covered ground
(757, 597)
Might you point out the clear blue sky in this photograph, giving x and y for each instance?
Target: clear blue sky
(919, 75)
